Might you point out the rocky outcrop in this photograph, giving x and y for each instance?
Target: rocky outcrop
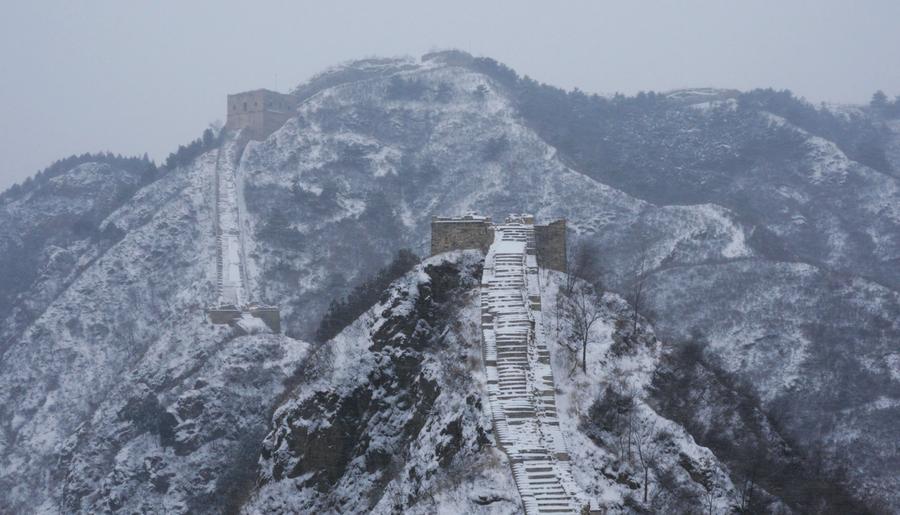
(389, 416)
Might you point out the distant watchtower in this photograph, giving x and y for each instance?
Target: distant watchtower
(259, 112)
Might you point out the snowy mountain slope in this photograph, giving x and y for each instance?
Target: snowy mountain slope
(609, 405)
(893, 146)
(46, 240)
(445, 138)
(191, 448)
(365, 165)
(128, 331)
(764, 235)
(820, 350)
(391, 415)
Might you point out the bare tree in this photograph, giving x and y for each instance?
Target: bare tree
(636, 295)
(751, 468)
(647, 450)
(582, 308)
(617, 406)
(710, 483)
(582, 265)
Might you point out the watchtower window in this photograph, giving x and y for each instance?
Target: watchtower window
(245, 106)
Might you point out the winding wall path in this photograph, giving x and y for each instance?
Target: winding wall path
(231, 255)
(520, 379)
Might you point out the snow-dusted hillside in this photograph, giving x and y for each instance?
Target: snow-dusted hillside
(95, 391)
(771, 241)
(45, 240)
(392, 415)
(365, 165)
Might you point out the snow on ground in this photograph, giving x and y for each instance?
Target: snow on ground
(430, 470)
(252, 325)
(232, 282)
(707, 230)
(729, 104)
(604, 465)
(428, 156)
(829, 163)
(520, 378)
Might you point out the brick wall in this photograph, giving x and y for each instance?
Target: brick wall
(460, 233)
(550, 243)
(260, 112)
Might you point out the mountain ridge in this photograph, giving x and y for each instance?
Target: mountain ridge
(356, 175)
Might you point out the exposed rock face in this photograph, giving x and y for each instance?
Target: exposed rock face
(389, 416)
(189, 447)
(392, 416)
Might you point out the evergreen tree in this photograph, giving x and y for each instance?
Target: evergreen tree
(879, 100)
(342, 312)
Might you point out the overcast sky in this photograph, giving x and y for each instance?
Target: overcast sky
(134, 77)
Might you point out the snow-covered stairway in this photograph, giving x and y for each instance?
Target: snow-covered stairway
(230, 258)
(520, 380)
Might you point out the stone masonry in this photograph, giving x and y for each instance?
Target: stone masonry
(472, 231)
(259, 112)
(465, 232)
(234, 295)
(550, 241)
(520, 382)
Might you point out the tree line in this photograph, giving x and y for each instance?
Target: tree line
(149, 171)
(343, 311)
(885, 107)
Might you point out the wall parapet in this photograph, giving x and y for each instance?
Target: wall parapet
(458, 233)
(473, 231)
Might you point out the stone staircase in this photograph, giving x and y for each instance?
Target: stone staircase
(231, 286)
(234, 299)
(519, 376)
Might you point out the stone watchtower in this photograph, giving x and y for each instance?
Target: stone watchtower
(464, 232)
(477, 232)
(259, 112)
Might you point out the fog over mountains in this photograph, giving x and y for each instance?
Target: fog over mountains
(746, 248)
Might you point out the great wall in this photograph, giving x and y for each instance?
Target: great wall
(521, 390)
(251, 115)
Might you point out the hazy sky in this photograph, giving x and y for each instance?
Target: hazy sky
(134, 77)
